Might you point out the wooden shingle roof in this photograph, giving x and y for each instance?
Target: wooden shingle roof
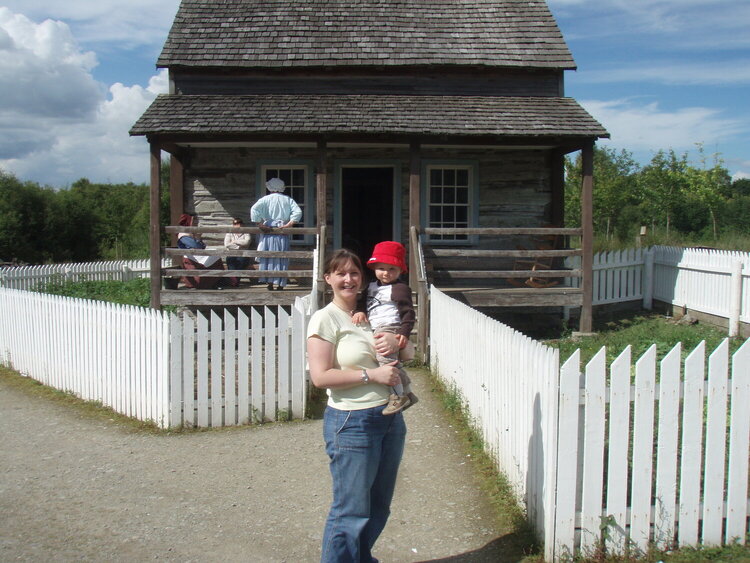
(461, 116)
(315, 33)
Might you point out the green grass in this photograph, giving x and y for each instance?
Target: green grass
(134, 292)
(640, 331)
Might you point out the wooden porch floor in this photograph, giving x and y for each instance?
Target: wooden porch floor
(246, 294)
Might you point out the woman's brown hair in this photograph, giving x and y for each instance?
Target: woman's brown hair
(338, 258)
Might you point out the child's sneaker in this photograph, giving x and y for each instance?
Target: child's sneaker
(413, 400)
(396, 403)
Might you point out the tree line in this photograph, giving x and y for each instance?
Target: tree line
(85, 222)
(669, 196)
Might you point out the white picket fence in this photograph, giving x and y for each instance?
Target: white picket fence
(577, 458)
(30, 277)
(709, 281)
(508, 382)
(149, 365)
(664, 474)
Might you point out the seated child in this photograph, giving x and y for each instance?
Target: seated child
(390, 309)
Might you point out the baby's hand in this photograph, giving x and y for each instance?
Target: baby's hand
(359, 318)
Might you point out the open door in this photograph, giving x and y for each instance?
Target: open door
(367, 207)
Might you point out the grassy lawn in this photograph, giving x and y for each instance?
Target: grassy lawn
(640, 330)
(134, 292)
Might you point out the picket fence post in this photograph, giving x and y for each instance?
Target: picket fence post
(736, 299)
(648, 279)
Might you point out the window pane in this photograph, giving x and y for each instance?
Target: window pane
(449, 177)
(298, 177)
(434, 216)
(436, 177)
(462, 195)
(462, 215)
(449, 195)
(435, 195)
(449, 215)
(462, 177)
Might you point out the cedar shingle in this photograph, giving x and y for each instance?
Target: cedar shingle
(306, 33)
(343, 114)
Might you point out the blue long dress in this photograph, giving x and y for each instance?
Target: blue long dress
(275, 210)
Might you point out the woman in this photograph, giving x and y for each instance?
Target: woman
(237, 241)
(275, 210)
(364, 446)
(195, 262)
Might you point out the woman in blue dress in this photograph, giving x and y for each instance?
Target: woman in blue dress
(275, 210)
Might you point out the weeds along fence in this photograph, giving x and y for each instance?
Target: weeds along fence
(623, 457)
(709, 281)
(215, 370)
(30, 277)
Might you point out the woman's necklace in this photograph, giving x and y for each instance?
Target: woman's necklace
(347, 310)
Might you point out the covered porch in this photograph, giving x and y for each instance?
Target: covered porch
(511, 149)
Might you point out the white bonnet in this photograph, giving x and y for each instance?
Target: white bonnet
(275, 185)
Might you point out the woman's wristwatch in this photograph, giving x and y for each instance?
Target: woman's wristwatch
(365, 377)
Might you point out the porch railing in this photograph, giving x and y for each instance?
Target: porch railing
(526, 263)
(220, 252)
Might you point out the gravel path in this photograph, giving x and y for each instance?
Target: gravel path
(79, 488)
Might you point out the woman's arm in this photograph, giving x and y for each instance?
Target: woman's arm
(324, 375)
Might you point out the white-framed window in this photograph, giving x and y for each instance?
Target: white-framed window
(449, 199)
(296, 177)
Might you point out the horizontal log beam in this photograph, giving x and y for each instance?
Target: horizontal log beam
(504, 231)
(465, 253)
(456, 274)
(175, 273)
(252, 230)
(247, 253)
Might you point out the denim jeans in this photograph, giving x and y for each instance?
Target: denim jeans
(365, 450)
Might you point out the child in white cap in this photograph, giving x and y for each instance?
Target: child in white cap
(390, 309)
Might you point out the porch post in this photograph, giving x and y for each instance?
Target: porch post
(587, 242)
(414, 205)
(557, 183)
(176, 194)
(155, 225)
(321, 184)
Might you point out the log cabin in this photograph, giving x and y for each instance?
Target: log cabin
(443, 125)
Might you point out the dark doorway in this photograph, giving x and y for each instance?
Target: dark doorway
(366, 208)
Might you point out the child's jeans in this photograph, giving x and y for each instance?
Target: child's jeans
(403, 355)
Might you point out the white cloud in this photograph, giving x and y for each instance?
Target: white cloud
(648, 127)
(58, 123)
(135, 22)
(740, 175)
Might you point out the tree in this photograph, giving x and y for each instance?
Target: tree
(614, 187)
(662, 185)
(709, 185)
(23, 209)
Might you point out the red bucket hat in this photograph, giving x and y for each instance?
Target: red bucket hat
(388, 252)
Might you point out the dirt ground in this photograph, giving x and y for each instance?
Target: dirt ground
(76, 487)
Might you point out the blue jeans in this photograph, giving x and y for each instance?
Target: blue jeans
(365, 449)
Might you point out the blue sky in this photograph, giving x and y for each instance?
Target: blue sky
(75, 75)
